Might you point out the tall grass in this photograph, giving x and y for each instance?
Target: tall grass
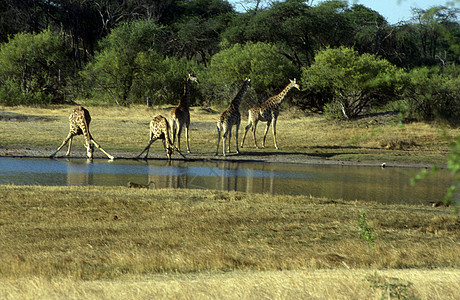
(120, 239)
(306, 284)
(108, 232)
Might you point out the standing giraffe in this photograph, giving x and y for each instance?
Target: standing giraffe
(267, 112)
(159, 129)
(79, 121)
(180, 116)
(231, 116)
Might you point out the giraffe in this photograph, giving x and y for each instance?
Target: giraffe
(159, 129)
(231, 116)
(79, 121)
(180, 116)
(267, 112)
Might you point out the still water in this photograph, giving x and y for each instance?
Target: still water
(389, 185)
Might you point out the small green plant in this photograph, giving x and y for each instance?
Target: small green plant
(392, 288)
(365, 230)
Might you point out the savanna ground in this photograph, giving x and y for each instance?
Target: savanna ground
(114, 242)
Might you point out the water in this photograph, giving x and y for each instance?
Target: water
(389, 185)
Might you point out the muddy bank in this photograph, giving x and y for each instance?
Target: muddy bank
(295, 158)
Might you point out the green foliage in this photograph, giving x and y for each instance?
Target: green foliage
(353, 81)
(365, 230)
(129, 69)
(392, 288)
(433, 94)
(166, 86)
(268, 69)
(197, 31)
(34, 69)
(125, 49)
(124, 54)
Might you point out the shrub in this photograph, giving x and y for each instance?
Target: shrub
(433, 95)
(125, 56)
(34, 69)
(354, 82)
(268, 69)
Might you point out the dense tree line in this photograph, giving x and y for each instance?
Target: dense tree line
(347, 56)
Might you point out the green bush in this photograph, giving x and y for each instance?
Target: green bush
(433, 94)
(34, 69)
(354, 82)
(121, 62)
(129, 69)
(268, 69)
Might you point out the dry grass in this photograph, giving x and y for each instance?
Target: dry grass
(121, 130)
(58, 236)
(318, 284)
(106, 242)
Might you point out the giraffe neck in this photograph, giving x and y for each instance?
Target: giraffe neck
(278, 98)
(167, 139)
(84, 126)
(237, 100)
(185, 100)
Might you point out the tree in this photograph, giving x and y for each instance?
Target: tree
(130, 69)
(118, 65)
(196, 31)
(34, 69)
(351, 81)
(431, 94)
(438, 32)
(286, 24)
(268, 69)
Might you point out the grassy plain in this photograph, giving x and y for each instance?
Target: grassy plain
(97, 242)
(114, 242)
(124, 132)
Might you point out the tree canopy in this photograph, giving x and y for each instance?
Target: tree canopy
(134, 51)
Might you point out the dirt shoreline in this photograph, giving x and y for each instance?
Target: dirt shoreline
(297, 158)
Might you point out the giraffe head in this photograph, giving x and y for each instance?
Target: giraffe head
(89, 150)
(192, 77)
(294, 84)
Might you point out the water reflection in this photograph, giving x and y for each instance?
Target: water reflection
(389, 185)
(224, 176)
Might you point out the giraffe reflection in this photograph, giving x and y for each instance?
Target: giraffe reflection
(225, 176)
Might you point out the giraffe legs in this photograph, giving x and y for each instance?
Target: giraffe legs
(67, 139)
(187, 137)
(222, 129)
(237, 127)
(219, 129)
(179, 132)
(274, 134)
(265, 133)
(173, 130)
(100, 148)
(246, 131)
(147, 148)
(228, 134)
(254, 134)
(69, 147)
(253, 126)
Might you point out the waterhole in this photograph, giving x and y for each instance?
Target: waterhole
(386, 185)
